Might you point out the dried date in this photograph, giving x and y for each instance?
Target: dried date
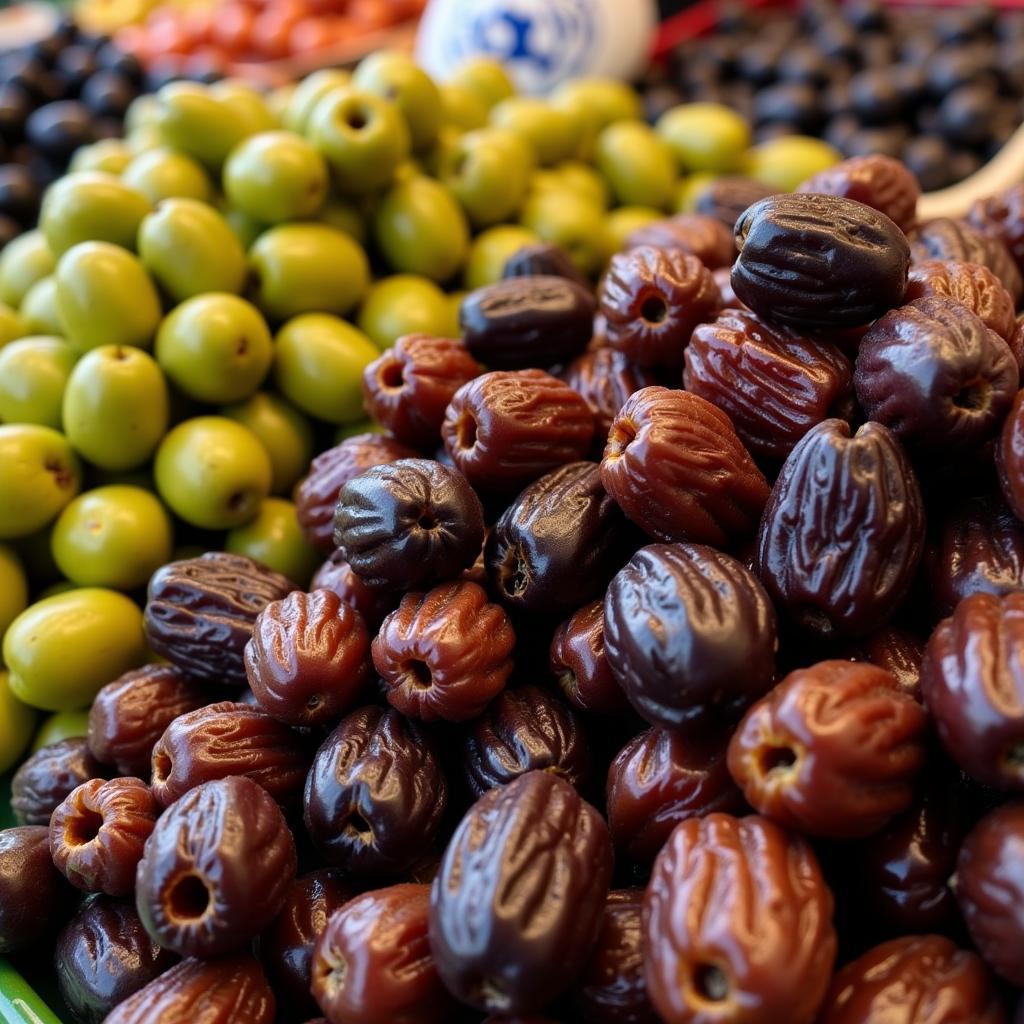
(1010, 457)
(46, 777)
(578, 662)
(1001, 216)
(945, 239)
(372, 603)
(543, 259)
(34, 897)
(605, 378)
(696, 234)
(726, 198)
(972, 285)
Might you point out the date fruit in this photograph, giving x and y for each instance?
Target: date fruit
(972, 285)
(46, 777)
(34, 897)
(1010, 456)
(577, 660)
(696, 234)
(1001, 216)
(726, 198)
(542, 259)
(605, 378)
(946, 239)
(372, 603)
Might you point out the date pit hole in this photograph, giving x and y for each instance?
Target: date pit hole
(973, 396)
(620, 437)
(333, 971)
(313, 702)
(83, 828)
(777, 759)
(188, 898)
(419, 672)
(427, 520)
(359, 828)
(569, 684)
(391, 376)
(162, 766)
(1013, 758)
(654, 310)
(515, 574)
(711, 983)
(465, 431)
(356, 119)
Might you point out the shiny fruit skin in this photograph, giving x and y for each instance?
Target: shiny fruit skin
(394, 76)
(491, 250)
(39, 475)
(705, 136)
(275, 538)
(13, 587)
(24, 261)
(90, 206)
(405, 304)
(33, 374)
(17, 721)
(164, 174)
(38, 312)
(190, 119)
(61, 725)
(33, 895)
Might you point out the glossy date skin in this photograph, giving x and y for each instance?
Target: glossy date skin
(216, 869)
(200, 612)
(855, 500)
(921, 978)
(970, 284)
(48, 776)
(34, 896)
(337, 576)
(519, 894)
(605, 378)
(103, 956)
(738, 922)
(689, 635)
(579, 664)
(1010, 456)
(726, 198)
(831, 751)
(543, 259)
(1001, 216)
(696, 234)
(946, 239)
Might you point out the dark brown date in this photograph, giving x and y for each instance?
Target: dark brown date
(408, 387)
(773, 384)
(228, 739)
(103, 956)
(1010, 457)
(444, 654)
(200, 611)
(726, 198)
(696, 234)
(521, 322)
(945, 239)
(231, 990)
(896, 650)
(525, 728)
(316, 494)
(506, 428)
(375, 794)
(34, 897)
(832, 751)
(936, 376)
(923, 978)
(98, 832)
(373, 965)
(676, 467)
(308, 658)
(372, 603)
(843, 531)
(970, 284)
(972, 678)
(46, 777)
(689, 635)
(1001, 216)
(216, 869)
(519, 895)
(1016, 342)
(659, 779)
(706, 963)
(286, 947)
(130, 714)
(558, 544)
(577, 660)
(815, 261)
(652, 299)
(543, 260)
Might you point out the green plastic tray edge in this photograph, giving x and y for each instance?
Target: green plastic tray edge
(19, 1002)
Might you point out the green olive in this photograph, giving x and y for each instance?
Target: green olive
(705, 136)
(785, 162)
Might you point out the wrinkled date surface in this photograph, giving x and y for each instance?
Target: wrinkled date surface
(973, 683)
(216, 869)
(945, 239)
(773, 384)
(1002, 217)
(408, 387)
(697, 234)
(1010, 457)
(935, 375)
(817, 261)
(316, 494)
(689, 635)
(444, 654)
(231, 990)
(130, 714)
(661, 778)
(970, 284)
(200, 611)
(372, 603)
(228, 739)
(519, 894)
(48, 776)
(726, 198)
(373, 964)
(506, 428)
(409, 523)
(527, 321)
(34, 897)
(375, 794)
(103, 956)
(577, 660)
(98, 832)
(674, 464)
(542, 259)
(843, 531)
(832, 751)
(308, 658)
(897, 650)
(652, 299)
(524, 729)
(926, 977)
(738, 925)
(557, 545)
(606, 378)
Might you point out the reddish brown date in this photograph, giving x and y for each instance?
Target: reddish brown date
(316, 494)
(519, 895)
(444, 654)
(843, 532)
(231, 990)
(832, 751)
(945, 239)
(1010, 457)
(726, 198)
(696, 234)
(228, 739)
(375, 794)
(577, 660)
(972, 678)
(34, 897)
(543, 259)
(408, 387)
(103, 956)
(969, 284)
(130, 714)
(675, 465)
(506, 428)
(896, 650)
(216, 869)
(308, 658)
(652, 299)
(373, 964)
(372, 603)
(1001, 216)
(773, 384)
(924, 978)
(660, 779)
(707, 964)
(46, 777)
(200, 611)
(97, 834)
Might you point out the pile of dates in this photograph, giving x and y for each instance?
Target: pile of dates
(682, 680)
